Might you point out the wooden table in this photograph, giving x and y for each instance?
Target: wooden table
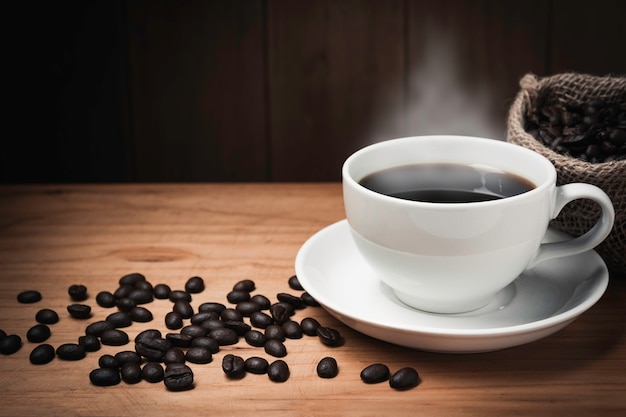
(55, 236)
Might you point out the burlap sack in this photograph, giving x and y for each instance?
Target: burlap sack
(579, 216)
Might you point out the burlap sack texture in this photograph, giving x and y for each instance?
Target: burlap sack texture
(579, 216)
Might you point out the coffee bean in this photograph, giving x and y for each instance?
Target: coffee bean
(10, 344)
(278, 371)
(131, 372)
(193, 331)
(77, 292)
(206, 342)
(90, 343)
(131, 279)
(247, 308)
(178, 377)
(404, 378)
(275, 348)
(140, 315)
(38, 333)
(329, 336)
(233, 366)
(262, 301)
(238, 326)
(42, 354)
(70, 352)
(108, 361)
(375, 373)
(281, 312)
(309, 300)
(274, 331)
(148, 334)
(327, 367)
(152, 372)
(122, 291)
(173, 320)
(255, 338)
(231, 314)
(119, 319)
(290, 299)
(260, 319)
(179, 340)
(294, 283)
(309, 326)
(212, 324)
(47, 316)
(98, 327)
(79, 311)
(152, 348)
(199, 317)
(178, 295)
(3, 334)
(174, 355)
(125, 304)
(246, 285)
(114, 337)
(127, 356)
(292, 330)
(211, 307)
(105, 299)
(104, 377)
(29, 297)
(194, 285)
(183, 308)
(224, 336)
(161, 291)
(144, 286)
(140, 296)
(235, 297)
(197, 354)
(256, 365)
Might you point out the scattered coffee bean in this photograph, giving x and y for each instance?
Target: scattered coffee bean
(144, 286)
(79, 311)
(199, 317)
(10, 344)
(174, 355)
(29, 297)
(274, 331)
(197, 354)
(247, 308)
(105, 299)
(152, 372)
(211, 307)
(239, 327)
(183, 308)
(47, 316)
(123, 291)
(3, 334)
(120, 319)
(261, 320)
(161, 291)
(327, 367)
(90, 343)
(152, 348)
(140, 314)
(148, 334)
(114, 337)
(178, 295)
(281, 312)
(104, 377)
(194, 285)
(278, 371)
(132, 278)
(246, 285)
(98, 327)
(375, 373)
(70, 352)
(224, 336)
(206, 342)
(42, 354)
(125, 304)
(294, 283)
(262, 301)
(179, 340)
(235, 297)
(292, 330)
(309, 326)
(108, 361)
(131, 373)
(77, 292)
(256, 365)
(193, 331)
(173, 320)
(329, 336)
(233, 366)
(127, 356)
(231, 314)
(255, 338)
(140, 296)
(212, 324)
(309, 300)
(275, 348)
(38, 333)
(404, 378)
(290, 299)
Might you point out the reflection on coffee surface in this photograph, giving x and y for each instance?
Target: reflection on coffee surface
(446, 183)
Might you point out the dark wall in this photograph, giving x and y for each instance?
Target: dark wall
(272, 90)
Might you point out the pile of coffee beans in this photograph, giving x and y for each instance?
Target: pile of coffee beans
(594, 131)
(193, 336)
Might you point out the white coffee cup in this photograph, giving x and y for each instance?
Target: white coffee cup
(454, 257)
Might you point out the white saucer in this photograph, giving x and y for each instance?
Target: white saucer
(539, 302)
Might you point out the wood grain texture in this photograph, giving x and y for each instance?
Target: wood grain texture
(55, 236)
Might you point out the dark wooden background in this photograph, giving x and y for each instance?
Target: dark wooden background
(271, 90)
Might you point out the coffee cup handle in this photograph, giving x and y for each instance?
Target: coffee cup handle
(599, 232)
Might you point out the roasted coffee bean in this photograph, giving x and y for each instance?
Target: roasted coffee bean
(294, 283)
(309, 326)
(3, 334)
(261, 320)
(140, 315)
(127, 356)
(141, 296)
(256, 365)
(77, 292)
(152, 372)
(174, 355)
(125, 304)
(246, 308)
(235, 297)
(70, 352)
(197, 354)
(47, 316)
(120, 319)
(122, 291)
(224, 336)
(278, 371)
(104, 377)
(404, 378)
(148, 334)
(231, 314)
(114, 337)
(10, 344)
(79, 311)
(42, 354)
(178, 377)
(108, 361)
(193, 331)
(309, 300)
(178, 295)
(211, 307)
(105, 299)
(375, 373)
(29, 297)
(132, 278)
(90, 343)
(198, 318)
(183, 308)
(161, 291)
(281, 312)
(291, 299)
(131, 372)
(38, 333)
(194, 285)
(206, 342)
(274, 331)
(292, 330)
(262, 301)
(275, 348)
(327, 367)
(246, 285)
(233, 366)
(179, 340)
(212, 324)
(98, 327)
(238, 326)
(144, 286)
(152, 348)
(255, 338)
(329, 336)
(173, 321)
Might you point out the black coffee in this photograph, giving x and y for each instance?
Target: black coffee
(446, 183)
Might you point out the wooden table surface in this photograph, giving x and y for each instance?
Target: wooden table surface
(56, 235)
